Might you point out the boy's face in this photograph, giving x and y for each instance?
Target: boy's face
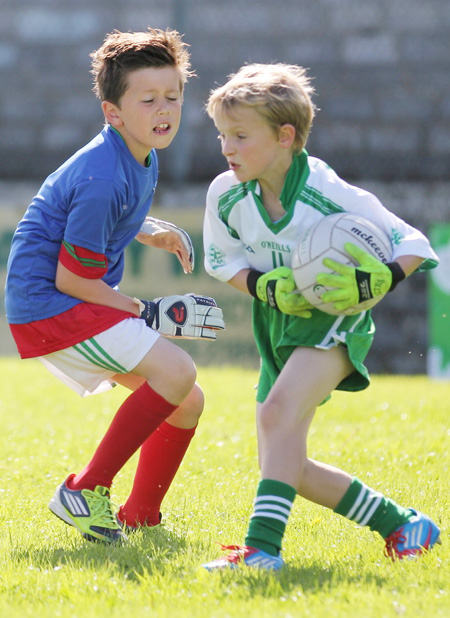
(149, 112)
(252, 148)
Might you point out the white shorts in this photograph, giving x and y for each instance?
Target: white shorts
(88, 367)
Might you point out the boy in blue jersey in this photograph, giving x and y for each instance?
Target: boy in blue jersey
(255, 214)
(62, 301)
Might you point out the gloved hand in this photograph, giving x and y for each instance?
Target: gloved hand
(370, 280)
(277, 288)
(187, 316)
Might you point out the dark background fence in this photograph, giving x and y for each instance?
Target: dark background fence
(381, 70)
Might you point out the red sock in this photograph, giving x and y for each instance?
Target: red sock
(160, 458)
(136, 419)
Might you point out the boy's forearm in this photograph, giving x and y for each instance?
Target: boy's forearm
(239, 281)
(92, 291)
(409, 263)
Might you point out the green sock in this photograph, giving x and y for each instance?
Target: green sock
(271, 511)
(367, 507)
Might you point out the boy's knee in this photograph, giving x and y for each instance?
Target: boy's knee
(189, 411)
(196, 400)
(180, 374)
(279, 415)
(269, 416)
(186, 372)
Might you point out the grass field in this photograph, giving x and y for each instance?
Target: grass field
(395, 436)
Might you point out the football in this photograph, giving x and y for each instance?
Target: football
(327, 239)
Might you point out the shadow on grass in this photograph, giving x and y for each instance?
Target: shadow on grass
(145, 552)
(309, 579)
(163, 552)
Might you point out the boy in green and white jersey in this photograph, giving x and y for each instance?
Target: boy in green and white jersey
(255, 214)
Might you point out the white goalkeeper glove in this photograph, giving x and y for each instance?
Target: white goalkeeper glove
(187, 316)
(168, 236)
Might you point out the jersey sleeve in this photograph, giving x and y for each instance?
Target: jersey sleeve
(413, 242)
(405, 239)
(224, 251)
(83, 262)
(95, 206)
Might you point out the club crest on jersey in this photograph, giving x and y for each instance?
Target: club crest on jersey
(216, 257)
(177, 313)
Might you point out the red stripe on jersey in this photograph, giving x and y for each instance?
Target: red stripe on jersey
(83, 262)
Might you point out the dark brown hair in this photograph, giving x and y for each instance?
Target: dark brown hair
(123, 52)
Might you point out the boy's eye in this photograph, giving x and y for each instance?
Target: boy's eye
(148, 100)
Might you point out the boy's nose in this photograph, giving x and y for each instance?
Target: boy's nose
(227, 147)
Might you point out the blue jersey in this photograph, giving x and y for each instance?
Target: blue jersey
(98, 200)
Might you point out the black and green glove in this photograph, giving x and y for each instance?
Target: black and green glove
(354, 285)
(277, 289)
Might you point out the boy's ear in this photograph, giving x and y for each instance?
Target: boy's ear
(112, 114)
(287, 135)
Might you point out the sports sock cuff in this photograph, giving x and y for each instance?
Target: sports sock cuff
(277, 488)
(349, 498)
(176, 434)
(270, 516)
(153, 401)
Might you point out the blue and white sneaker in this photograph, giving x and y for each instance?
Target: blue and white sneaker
(242, 554)
(90, 512)
(418, 535)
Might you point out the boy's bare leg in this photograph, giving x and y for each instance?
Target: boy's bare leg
(284, 419)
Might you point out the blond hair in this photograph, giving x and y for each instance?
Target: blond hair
(281, 93)
(123, 52)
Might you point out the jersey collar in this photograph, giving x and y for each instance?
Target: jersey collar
(292, 188)
(148, 159)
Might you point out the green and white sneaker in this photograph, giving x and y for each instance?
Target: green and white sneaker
(90, 512)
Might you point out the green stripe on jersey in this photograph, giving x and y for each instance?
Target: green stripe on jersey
(226, 202)
(95, 354)
(84, 261)
(317, 200)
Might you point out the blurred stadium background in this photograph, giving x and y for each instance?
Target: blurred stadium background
(381, 70)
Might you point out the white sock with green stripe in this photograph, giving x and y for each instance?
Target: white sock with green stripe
(271, 512)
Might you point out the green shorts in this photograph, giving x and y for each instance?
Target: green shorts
(277, 335)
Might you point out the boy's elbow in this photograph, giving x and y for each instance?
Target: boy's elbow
(61, 286)
(62, 279)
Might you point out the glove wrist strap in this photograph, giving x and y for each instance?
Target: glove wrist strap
(148, 312)
(252, 279)
(140, 304)
(397, 274)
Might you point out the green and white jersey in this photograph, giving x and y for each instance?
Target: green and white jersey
(238, 234)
